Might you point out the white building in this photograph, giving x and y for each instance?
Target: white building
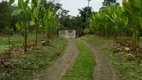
(67, 33)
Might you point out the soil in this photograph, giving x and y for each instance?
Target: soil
(103, 69)
(60, 68)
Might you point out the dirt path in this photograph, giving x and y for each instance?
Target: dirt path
(63, 64)
(103, 69)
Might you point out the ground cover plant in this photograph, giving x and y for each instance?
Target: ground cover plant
(83, 67)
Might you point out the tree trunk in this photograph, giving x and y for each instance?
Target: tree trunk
(9, 24)
(25, 39)
(9, 41)
(136, 37)
(36, 37)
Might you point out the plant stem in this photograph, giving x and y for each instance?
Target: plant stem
(36, 37)
(9, 23)
(25, 39)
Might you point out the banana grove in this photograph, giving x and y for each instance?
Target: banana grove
(39, 18)
(117, 21)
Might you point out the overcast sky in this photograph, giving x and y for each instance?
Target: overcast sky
(74, 5)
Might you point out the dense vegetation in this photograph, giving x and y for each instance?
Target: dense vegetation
(116, 21)
(121, 23)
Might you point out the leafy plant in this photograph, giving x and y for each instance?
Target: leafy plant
(23, 26)
(50, 22)
(133, 9)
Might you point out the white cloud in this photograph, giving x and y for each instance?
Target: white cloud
(74, 5)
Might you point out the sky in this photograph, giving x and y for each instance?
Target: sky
(74, 5)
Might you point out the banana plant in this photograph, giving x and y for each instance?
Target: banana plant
(50, 22)
(37, 17)
(23, 26)
(118, 20)
(43, 18)
(101, 23)
(133, 9)
(109, 22)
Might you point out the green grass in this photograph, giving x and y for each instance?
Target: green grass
(128, 70)
(95, 40)
(33, 62)
(83, 67)
(16, 40)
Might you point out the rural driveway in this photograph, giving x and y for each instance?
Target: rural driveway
(60, 68)
(103, 69)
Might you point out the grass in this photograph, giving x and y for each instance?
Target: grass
(33, 62)
(16, 40)
(83, 67)
(128, 70)
(95, 40)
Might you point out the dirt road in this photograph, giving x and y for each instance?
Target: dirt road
(103, 69)
(61, 67)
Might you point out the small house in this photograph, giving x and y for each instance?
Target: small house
(67, 33)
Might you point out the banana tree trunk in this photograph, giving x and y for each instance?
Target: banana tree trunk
(136, 37)
(25, 41)
(9, 37)
(36, 37)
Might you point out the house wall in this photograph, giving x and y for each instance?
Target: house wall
(67, 33)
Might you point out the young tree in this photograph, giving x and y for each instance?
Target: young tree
(23, 26)
(50, 22)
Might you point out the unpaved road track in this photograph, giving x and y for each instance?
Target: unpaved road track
(103, 69)
(58, 71)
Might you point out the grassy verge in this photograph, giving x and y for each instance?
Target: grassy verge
(31, 63)
(129, 70)
(83, 67)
